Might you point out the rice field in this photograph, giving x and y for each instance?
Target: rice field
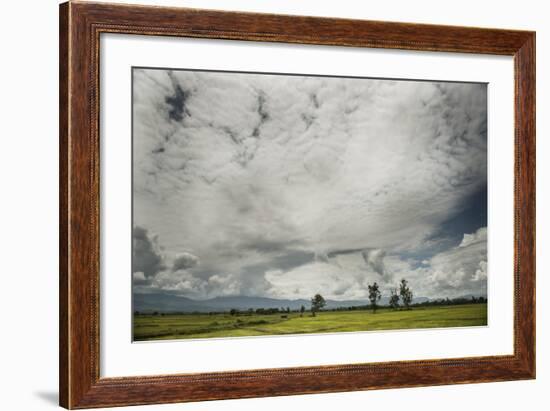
(186, 326)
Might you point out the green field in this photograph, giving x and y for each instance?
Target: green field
(182, 326)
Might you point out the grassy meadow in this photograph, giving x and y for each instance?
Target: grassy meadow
(183, 326)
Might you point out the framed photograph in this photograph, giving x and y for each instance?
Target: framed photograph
(259, 205)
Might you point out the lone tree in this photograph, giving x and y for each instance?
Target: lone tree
(406, 293)
(394, 299)
(317, 303)
(374, 296)
(302, 309)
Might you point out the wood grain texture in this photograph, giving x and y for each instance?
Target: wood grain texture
(525, 281)
(80, 27)
(63, 205)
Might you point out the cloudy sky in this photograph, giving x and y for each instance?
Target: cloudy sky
(285, 186)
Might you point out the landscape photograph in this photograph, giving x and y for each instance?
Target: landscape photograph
(271, 204)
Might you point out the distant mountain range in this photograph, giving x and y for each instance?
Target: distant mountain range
(174, 303)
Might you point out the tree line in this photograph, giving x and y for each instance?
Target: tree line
(401, 297)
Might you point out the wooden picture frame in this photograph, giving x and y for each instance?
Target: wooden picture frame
(80, 27)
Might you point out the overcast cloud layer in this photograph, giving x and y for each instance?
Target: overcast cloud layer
(285, 186)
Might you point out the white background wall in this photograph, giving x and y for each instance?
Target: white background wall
(28, 206)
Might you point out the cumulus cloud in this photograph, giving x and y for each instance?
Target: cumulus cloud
(481, 273)
(181, 281)
(184, 261)
(146, 254)
(474, 238)
(184, 283)
(139, 278)
(461, 270)
(263, 174)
